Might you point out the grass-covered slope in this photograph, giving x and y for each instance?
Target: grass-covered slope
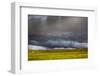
(54, 54)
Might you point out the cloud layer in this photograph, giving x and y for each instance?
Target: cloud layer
(57, 31)
(68, 27)
(60, 43)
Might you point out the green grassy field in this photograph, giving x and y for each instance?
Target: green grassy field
(57, 54)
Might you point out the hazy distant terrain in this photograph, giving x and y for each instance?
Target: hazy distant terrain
(54, 42)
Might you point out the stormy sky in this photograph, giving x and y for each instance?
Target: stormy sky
(68, 27)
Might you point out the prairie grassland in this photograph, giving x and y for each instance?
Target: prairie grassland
(55, 54)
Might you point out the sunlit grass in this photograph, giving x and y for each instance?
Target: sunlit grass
(53, 54)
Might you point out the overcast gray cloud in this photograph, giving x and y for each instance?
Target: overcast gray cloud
(68, 27)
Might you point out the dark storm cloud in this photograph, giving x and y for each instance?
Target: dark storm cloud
(69, 27)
